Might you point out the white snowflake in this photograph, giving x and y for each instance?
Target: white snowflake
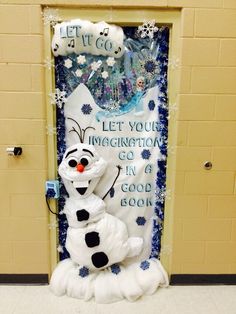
(110, 61)
(162, 194)
(53, 225)
(68, 63)
(48, 63)
(174, 63)
(105, 74)
(173, 108)
(60, 248)
(171, 149)
(51, 130)
(114, 106)
(147, 29)
(50, 16)
(78, 73)
(96, 65)
(81, 59)
(58, 98)
(166, 250)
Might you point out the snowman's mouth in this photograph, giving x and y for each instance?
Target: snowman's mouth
(81, 186)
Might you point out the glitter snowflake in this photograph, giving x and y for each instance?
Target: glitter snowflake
(146, 154)
(51, 16)
(78, 73)
(68, 63)
(162, 194)
(81, 59)
(48, 63)
(86, 109)
(59, 97)
(147, 29)
(151, 105)
(115, 269)
(144, 265)
(105, 74)
(113, 106)
(96, 65)
(149, 67)
(110, 61)
(83, 272)
(140, 221)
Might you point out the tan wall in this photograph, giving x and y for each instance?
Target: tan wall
(204, 231)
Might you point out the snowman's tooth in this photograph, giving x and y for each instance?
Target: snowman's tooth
(79, 184)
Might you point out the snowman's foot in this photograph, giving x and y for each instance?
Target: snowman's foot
(135, 246)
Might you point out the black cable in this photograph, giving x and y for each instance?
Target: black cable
(49, 207)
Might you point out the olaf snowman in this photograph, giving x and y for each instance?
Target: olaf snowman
(95, 239)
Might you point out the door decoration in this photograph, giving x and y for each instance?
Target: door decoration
(112, 119)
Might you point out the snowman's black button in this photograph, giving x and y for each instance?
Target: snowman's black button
(82, 215)
(92, 239)
(99, 259)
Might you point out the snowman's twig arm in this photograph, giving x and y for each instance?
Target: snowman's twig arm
(117, 176)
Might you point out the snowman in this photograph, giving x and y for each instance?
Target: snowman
(95, 239)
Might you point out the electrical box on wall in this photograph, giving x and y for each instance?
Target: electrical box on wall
(52, 189)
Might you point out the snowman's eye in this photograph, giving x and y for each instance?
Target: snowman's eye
(85, 161)
(72, 163)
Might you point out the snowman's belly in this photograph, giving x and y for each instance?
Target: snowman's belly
(99, 244)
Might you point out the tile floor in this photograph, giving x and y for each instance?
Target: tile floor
(171, 300)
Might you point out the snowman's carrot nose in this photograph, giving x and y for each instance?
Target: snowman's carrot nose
(80, 168)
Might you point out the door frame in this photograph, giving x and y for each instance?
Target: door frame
(130, 16)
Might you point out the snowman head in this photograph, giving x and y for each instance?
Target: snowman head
(81, 169)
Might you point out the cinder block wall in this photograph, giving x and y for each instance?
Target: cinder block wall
(204, 235)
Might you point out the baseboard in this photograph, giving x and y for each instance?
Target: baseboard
(203, 279)
(40, 279)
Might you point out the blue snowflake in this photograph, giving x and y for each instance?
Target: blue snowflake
(141, 221)
(115, 269)
(83, 272)
(144, 265)
(86, 109)
(146, 154)
(151, 105)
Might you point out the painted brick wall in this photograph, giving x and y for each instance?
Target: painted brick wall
(204, 236)
(24, 243)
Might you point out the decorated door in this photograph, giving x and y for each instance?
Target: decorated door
(111, 92)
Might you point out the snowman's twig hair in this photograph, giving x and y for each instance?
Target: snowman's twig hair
(80, 132)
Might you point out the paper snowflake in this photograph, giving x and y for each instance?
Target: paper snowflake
(81, 59)
(78, 73)
(145, 154)
(105, 74)
(68, 63)
(51, 130)
(149, 67)
(48, 63)
(50, 16)
(115, 269)
(140, 221)
(162, 194)
(144, 265)
(53, 225)
(58, 98)
(147, 29)
(86, 109)
(110, 61)
(96, 65)
(83, 272)
(60, 249)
